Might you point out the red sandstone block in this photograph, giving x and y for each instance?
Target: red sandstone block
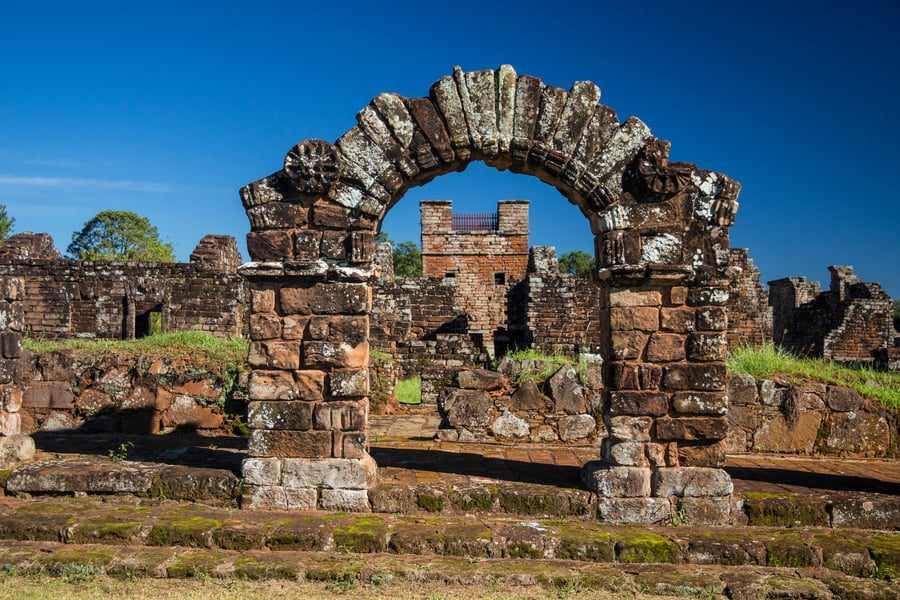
(335, 354)
(277, 215)
(307, 243)
(296, 415)
(288, 443)
(695, 376)
(262, 299)
(637, 403)
(264, 327)
(692, 428)
(665, 347)
(274, 355)
(678, 320)
(335, 245)
(328, 215)
(341, 416)
(628, 345)
(48, 394)
(270, 246)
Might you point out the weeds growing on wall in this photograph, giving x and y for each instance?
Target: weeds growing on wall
(548, 364)
(219, 356)
(769, 361)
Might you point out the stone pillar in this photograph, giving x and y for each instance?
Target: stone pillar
(308, 390)
(15, 444)
(666, 399)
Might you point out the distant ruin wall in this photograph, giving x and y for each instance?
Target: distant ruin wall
(851, 322)
(749, 314)
(115, 300)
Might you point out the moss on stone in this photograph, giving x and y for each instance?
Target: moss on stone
(472, 501)
(181, 530)
(195, 564)
(679, 584)
(333, 570)
(4, 475)
(885, 551)
(77, 556)
(362, 534)
(430, 502)
(461, 538)
(523, 550)
(786, 511)
(577, 541)
(107, 531)
(303, 533)
(789, 550)
(265, 567)
(538, 503)
(645, 547)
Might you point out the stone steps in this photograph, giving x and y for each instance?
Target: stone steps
(126, 521)
(378, 573)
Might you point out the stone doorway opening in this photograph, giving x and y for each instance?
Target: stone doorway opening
(661, 242)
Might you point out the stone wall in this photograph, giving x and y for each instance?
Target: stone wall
(850, 322)
(807, 418)
(749, 313)
(486, 405)
(117, 300)
(15, 443)
(127, 394)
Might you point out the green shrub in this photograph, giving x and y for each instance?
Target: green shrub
(409, 391)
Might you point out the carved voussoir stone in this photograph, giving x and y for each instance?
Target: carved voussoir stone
(312, 166)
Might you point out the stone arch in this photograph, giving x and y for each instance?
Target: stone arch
(661, 240)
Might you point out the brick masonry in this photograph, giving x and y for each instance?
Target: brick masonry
(69, 298)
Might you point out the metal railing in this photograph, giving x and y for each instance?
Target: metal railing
(474, 222)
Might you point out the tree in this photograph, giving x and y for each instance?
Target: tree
(119, 235)
(406, 255)
(6, 223)
(407, 260)
(578, 263)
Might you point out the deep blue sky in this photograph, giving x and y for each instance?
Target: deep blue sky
(168, 108)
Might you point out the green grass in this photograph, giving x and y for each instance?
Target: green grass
(215, 354)
(409, 391)
(766, 362)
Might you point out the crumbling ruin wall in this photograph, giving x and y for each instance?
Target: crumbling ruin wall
(850, 322)
(115, 300)
(749, 314)
(15, 443)
(561, 312)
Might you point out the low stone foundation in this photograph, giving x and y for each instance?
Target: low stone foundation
(562, 408)
(807, 418)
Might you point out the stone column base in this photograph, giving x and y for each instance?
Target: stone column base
(339, 484)
(676, 495)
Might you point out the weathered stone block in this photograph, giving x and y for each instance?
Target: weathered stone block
(711, 511)
(775, 434)
(702, 455)
(700, 403)
(629, 429)
(307, 244)
(626, 454)
(281, 414)
(335, 245)
(665, 347)
(472, 410)
(302, 444)
(294, 327)
(508, 425)
(692, 428)
(691, 482)
(637, 403)
(334, 473)
(639, 511)
(335, 354)
(261, 471)
(11, 344)
(15, 449)
(616, 482)
(693, 376)
(712, 318)
(270, 246)
(741, 389)
(576, 427)
(301, 498)
(262, 300)
(264, 497)
(349, 383)
(10, 423)
(528, 397)
(481, 379)
(350, 444)
(277, 215)
(626, 298)
(48, 394)
(860, 433)
(274, 355)
(341, 416)
(678, 320)
(770, 394)
(628, 345)
(644, 318)
(264, 327)
(566, 391)
(279, 385)
(844, 399)
(708, 346)
(344, 500)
